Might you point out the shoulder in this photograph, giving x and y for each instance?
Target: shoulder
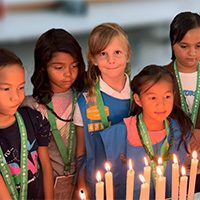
(30, 102)
(169, 66)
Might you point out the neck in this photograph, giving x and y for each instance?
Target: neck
(6, 121)
(116, 83)
(153, 125)
(185, 69)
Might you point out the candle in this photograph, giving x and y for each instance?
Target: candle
(99, 187)
(147, 171)
(183, 185)
(144, 189)
(130, 181)
(175, 178)
(160, 185)
(193, 173)
(109, 182)
(82, 194)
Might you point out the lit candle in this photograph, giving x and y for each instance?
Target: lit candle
(183, 184)
(147, 171)
(130, 182)
(109, 182)
(99, 187)
(175, 178)
(82, 194)
(193, 173)
(160, 185)
(160, 165)
(144, 189)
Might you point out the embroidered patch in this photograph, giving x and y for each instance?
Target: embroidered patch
(93, 113)
(97, 126)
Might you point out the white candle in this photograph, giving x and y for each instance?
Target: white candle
(82, 194)
(183, 185)
(144, 189)
(130, 182)
(99, 187)
(147, 171)
(160, 185)
(109, 182)
(193, 173)
(160, 164)
(175, 178)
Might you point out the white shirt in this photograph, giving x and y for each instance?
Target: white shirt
(104, 87)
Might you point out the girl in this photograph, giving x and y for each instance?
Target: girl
(107, 101)
(24, 136)
(57, 78)
(185, 65)
(156, 128)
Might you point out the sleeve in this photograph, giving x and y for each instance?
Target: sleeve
(38, 124)
(77, 118)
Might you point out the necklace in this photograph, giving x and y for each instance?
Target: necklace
(23, 165)
(146, 142)
(195, 106)
(65, 152)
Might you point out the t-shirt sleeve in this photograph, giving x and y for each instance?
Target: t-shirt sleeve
(37, 123)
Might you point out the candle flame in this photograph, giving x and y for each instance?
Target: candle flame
(141, 177)
(183, 171)
(160, 161)
(194, 154)
(82, 194)
(146, 161)
(130, 164)
(107, 166)
(98, 176)
(159, 171)
(175, 159)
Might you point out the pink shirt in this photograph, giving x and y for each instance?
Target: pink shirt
(133, 137)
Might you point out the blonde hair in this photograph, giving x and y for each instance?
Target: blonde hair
(99, 39)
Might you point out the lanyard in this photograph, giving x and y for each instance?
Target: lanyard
(184, 105)
(23, 165)
(100, 106)
(147, 142)
(65, 152)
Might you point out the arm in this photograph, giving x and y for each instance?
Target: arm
(80, 152)
(4, 193)
(47, 172)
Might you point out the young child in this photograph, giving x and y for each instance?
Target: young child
(185, 65)
(57, 78)
(107, 100)
(24, 136)
(157, 128)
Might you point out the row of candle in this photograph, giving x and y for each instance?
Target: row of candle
(179, 191)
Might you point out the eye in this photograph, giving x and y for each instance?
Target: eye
(58, 67)
(4, 89)
(75, 65)
(198, 45)
(21, 88)
(103, 54)
(168, 96)
(152, 98)
(183, 46)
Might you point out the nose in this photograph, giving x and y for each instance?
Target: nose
(67, 71)
(111, 59)
(192, 51)
(161, 102)
(15, 96)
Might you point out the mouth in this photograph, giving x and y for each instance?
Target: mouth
(160, 113)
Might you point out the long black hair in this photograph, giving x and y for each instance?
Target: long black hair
(49, 43)
(149, 76)
(180, 25)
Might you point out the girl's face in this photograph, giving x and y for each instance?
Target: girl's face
(12, 80)
(113, 59)
(187, 51)
(62, 70)
(156, 102)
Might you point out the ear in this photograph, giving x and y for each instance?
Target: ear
(137, 100)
